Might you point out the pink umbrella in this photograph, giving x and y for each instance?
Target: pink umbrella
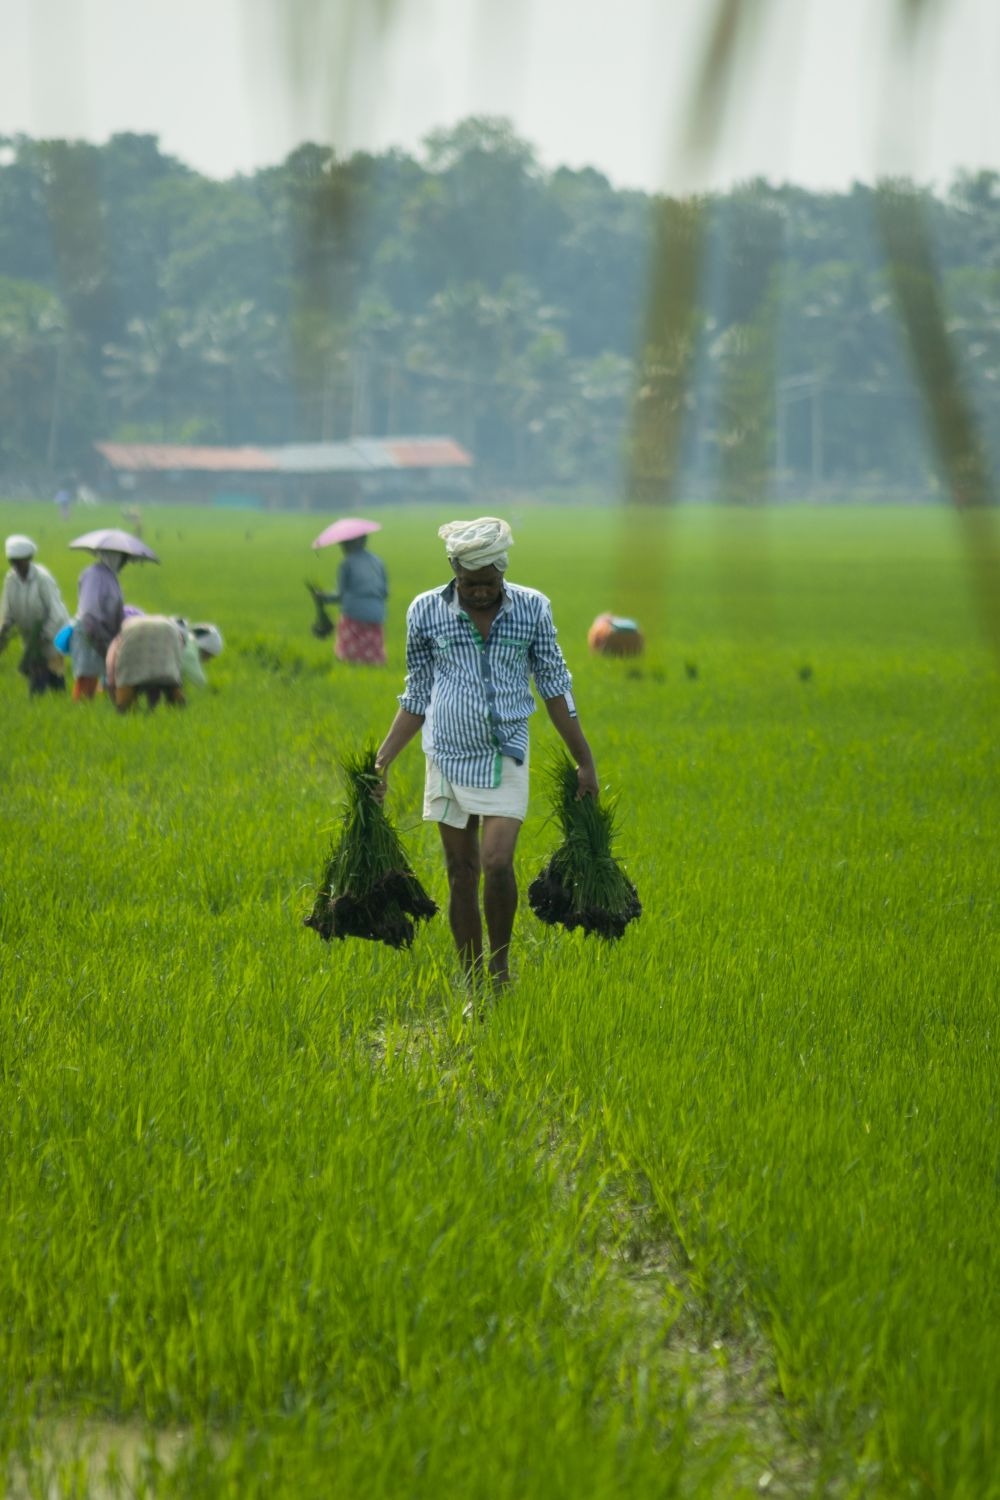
(346, 530)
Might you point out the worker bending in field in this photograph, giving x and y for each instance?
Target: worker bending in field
(472, 648)
(32, 604)
(153, 655)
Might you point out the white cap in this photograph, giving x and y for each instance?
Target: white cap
(18, 547)
(208, 638)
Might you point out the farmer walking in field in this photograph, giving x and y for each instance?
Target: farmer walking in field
(32, 604)
(471, 649)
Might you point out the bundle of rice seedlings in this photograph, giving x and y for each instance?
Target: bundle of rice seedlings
(322, 625)
(583, 885)
(368, 889)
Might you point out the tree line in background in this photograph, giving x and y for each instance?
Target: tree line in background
(474, 294)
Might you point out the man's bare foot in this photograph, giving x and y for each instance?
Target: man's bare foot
(483, 985)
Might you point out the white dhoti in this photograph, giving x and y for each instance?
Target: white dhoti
(444, 802)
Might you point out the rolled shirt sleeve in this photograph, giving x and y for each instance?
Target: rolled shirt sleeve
(416, 694)
(545, 659)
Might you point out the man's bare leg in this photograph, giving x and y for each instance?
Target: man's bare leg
(461, 854)
(499, 891)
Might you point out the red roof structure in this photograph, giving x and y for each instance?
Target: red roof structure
(359, 455)
(427, 453)
(173, 456)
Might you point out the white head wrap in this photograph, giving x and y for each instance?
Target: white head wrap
(478, 544)
(208, 638)
(18, 547)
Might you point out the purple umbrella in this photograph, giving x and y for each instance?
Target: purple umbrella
(346, 530)
(113, 540)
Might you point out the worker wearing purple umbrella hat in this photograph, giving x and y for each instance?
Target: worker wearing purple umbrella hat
(100, 607)
(362, 589)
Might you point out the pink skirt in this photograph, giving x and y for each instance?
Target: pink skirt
(359, 642)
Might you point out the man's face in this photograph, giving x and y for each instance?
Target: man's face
(21, 566)
(478, 588)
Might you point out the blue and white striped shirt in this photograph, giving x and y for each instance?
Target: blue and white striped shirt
(475, 695)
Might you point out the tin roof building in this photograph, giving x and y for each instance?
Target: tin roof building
(300, 475)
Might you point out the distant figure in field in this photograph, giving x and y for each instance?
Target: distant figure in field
(613, 635)
(65, 495)
(362, 589)
(32, 604)
(100, 612)
(132, 516)
(153, 655)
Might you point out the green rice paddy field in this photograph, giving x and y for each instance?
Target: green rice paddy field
(712, 1212)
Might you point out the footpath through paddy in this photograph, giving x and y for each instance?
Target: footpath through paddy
(697, 1384)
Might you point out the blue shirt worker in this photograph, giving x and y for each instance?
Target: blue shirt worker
(362, 589)
(472, 648)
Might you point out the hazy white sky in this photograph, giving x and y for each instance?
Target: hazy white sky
(826, 92)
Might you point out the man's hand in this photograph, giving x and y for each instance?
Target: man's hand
(586, 781)
(382, 784)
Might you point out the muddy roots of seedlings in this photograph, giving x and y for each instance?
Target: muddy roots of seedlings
(555, 902)
(384, 914)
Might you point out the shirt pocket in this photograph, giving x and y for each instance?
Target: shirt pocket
(510, 650)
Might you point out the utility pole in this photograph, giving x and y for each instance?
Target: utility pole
(801, 388)
(817, 435)
(470, 420)
(392, 415)
(57, 388)
(360, 415)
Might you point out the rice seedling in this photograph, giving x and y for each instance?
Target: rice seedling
(583, 885)
(322, 625)
(368, 889)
